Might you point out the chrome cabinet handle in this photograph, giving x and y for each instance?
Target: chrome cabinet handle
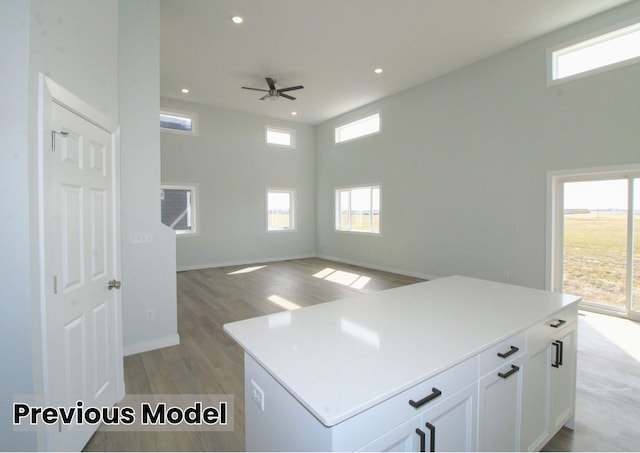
(114, 284)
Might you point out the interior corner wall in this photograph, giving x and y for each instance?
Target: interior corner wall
(149, 296)
(232, 167)
(462, 161)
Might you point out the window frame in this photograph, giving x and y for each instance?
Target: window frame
(281, 130)
(180, 114)
(602, 35)
(337, 209)
(193, 188)
(292, 209)
(353, 122)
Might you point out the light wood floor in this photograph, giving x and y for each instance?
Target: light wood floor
(208, 361)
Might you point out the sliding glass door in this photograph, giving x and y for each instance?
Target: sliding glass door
(596, 239)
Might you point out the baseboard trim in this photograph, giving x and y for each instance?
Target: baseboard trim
(242, 262)
(393, 270)
(157, 343)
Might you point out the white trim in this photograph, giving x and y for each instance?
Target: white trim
(150, 345)
(243, 262)
(392, 270)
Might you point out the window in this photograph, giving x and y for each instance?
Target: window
(358, 209)
(280, 210)
(360, 128)
(179, 122)
(280, 137)
(608, 50)
(594, 216)
(178, 208)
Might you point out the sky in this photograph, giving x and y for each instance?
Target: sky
(594, 195)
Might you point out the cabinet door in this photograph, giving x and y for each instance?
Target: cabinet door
(406, 437)
(451, 425)
(535, 399)
(499, 409)
(563, 378)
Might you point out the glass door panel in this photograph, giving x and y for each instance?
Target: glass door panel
(595, 242)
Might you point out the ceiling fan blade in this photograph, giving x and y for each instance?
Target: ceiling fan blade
(299, 87)
(271, 83)
(255, 89)
(287, 96)
(264, 97)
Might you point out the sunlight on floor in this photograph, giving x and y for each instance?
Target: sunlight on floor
(343, 278)
(282, 302)
(623, 333)
(247, 270)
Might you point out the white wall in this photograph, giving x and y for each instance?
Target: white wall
(16, 354)
(148, 270)
(462, 161)
(232, 167)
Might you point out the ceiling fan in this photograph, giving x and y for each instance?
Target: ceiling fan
(274, 92)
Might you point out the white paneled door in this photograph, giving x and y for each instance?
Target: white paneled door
(82, 310)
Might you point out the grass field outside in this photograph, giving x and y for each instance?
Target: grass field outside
(595, 257)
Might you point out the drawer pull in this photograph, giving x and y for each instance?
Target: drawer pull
(514, 369)
(423, 438)
(435, 393)
(558, 324)
(512, 350)
(432, 440)
(559, 353)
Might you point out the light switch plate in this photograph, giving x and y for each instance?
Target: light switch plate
(257, 395)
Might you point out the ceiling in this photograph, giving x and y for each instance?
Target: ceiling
(333, 46)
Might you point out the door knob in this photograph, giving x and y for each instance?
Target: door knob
(114, 284)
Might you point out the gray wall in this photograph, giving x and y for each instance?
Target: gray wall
(148, 270)
(462, 161)
(232, 167)
(16, 376)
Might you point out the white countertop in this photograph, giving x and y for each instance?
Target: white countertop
(340, 358)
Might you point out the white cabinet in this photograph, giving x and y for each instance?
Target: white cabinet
(500, 393)
(450, 425)
(548, 400)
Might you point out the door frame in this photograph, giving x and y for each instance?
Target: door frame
(50, 92)
(555, 226)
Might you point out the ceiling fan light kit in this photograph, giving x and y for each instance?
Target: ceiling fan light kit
(273, 92)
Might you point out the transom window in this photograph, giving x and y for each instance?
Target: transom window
(281, 210)
(359, 128)
(178, 208)
(179, 122)
(358, 209)
(280, 137)
(606, 51)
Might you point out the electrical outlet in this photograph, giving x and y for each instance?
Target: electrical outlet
(151, 315)
(257, 395)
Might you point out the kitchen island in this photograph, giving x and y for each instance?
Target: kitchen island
(452, 364)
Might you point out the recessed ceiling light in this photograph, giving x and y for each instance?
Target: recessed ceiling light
(378, 70)
(185, 90)
(237, 19)
(294, 113)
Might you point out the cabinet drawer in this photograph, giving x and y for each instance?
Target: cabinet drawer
(552, 326)
(502, 353)
(367, 426)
